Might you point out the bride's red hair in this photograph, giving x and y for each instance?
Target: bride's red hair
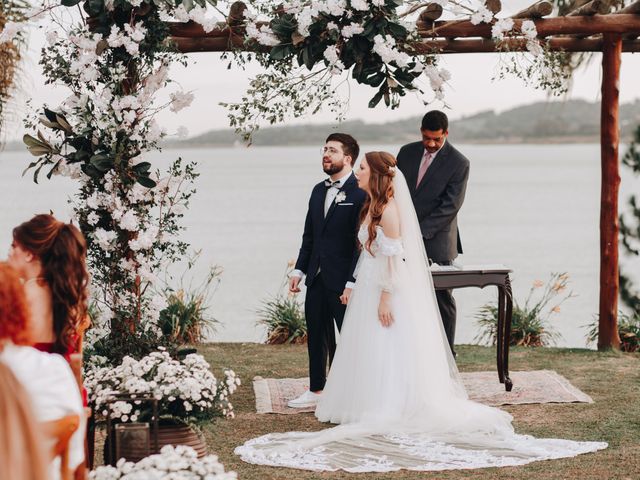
(382, 171)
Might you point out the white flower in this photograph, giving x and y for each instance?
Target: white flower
(529, 29)
(482, 15)
(10, 31)
(181, 14)
(93, 219)
(182, 132)
(145, 239)
(104, 238)
(263, 35)
(340, 197)
(180, 100)
(51, 36)
(351, 30)
(361, 5)
(129, 221)
(501, 27)
(534, 47)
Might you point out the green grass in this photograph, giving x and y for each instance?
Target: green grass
(611, 379)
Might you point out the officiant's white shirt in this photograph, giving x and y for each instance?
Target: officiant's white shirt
(52, 389)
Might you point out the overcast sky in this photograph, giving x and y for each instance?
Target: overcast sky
(470, 90)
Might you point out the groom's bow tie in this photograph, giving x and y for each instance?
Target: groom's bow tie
(328, 183)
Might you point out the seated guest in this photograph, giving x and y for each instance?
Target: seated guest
(47, 378)
(50, 257)
(21, 450)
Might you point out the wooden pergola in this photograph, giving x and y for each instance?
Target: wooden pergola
(589, 28)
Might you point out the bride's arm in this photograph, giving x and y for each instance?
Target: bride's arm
(390, 223)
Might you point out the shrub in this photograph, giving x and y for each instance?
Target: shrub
(530, 322)
(628, 329)
(186, 318)
(283, 316)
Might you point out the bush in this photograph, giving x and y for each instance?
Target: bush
(530, 323)
(186, 319)
(628, 330)
(283, 316)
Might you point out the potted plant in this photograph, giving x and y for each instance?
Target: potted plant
(186, 391)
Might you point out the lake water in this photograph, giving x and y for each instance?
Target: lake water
(534, 208)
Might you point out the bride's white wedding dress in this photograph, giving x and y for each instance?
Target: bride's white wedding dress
(396, 391)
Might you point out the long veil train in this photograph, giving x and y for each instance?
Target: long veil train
(396, 391)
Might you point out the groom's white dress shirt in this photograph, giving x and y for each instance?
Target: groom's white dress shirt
(330, 196)
(52, 389)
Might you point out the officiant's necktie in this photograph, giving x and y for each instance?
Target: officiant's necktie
(427, 158)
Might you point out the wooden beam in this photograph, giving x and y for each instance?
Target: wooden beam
(431, 13)
(609, 228)
(592, 8)
(212, 44)
(537, 10)
(622, 23)
(494, 6)
(485, 45)
(632, 8)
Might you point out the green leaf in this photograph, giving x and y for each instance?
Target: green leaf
(101, 161)
(51, 115)
(397, 31)
(280, 52)
(307, 57)
(376, 99)
(70, 3)
(30, 141)
(142, 167)
(188, 5)
(146, 182)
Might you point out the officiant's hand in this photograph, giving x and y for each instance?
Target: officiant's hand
(294, 283)
(344, 298)
(384, 310)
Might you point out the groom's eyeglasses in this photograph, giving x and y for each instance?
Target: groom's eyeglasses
(330, 150)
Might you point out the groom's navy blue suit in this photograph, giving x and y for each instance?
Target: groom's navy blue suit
(328, 257)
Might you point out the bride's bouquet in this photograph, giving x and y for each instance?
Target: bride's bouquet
(185, 389)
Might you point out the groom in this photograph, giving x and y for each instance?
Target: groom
(437, 175)
(328, 256)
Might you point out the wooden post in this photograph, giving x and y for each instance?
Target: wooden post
(609, 228)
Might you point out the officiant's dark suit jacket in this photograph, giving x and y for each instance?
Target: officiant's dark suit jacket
(438, 198)
(329, 244)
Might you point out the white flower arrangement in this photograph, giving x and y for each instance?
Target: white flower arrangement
(185, 389)
(340, 197)
(175, 463)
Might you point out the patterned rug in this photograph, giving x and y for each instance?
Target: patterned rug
(538, 386)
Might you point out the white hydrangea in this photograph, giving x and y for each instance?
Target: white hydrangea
(501, 27)
(129, 221)
(360, 5)
(529, 30)
(105, 238)
(180, 100)
(333, 58)
(483, 15)
(263, 35)
(352, 29)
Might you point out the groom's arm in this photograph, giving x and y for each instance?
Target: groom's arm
(304, 255)
(450, 202)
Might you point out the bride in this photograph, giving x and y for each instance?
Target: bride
(394, 387)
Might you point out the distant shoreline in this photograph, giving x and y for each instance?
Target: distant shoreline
(17, 147)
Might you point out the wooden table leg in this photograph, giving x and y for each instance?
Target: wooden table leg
(508, 384)
(500, 339)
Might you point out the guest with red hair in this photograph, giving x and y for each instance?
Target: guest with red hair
(47, 378)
